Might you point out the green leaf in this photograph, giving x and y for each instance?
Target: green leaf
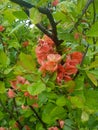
(35, 16)
(27, 62)
(20, 15)
(79, 83)
(39, 126)
(1, 115)
(92, 78)
(91, 100)
(37, 88)
(61, 101)
(51, 113)
(84, 116)
(2, 87)
(18, 27)
(9, 15)
(94, 64)
(42, 98)
(93, 32)
(4, 60)
(77, 101)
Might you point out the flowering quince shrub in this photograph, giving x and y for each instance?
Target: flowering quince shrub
(48, 65)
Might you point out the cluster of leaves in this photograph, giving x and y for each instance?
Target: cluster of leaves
(31, 97)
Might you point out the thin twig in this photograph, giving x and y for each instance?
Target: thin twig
(83, 12)
(44, 125)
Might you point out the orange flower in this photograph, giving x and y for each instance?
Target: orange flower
(1, 28)
(13, 84)
(77, 56)
(54, 58)
(48, 40)
(20, 79)
(11, 93)
(70, 69)
(49, 66)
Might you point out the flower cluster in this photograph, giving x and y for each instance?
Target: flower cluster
(50, 60)
(15, 84)
(46, 55)
(69, 68)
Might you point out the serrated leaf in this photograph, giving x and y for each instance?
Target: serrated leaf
(36, 88)
(92, 78)
(27, 62)
(93, 32)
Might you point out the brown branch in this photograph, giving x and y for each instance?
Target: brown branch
(48, 13)
(44, 30)
(38, 117)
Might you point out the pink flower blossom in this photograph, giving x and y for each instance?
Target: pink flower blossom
(61, 123)
(70, 69)
(2, 128)
(55, 2)
(54, 58)
(11, 93)
(49, 66)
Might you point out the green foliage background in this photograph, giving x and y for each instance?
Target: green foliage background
(76, 101)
